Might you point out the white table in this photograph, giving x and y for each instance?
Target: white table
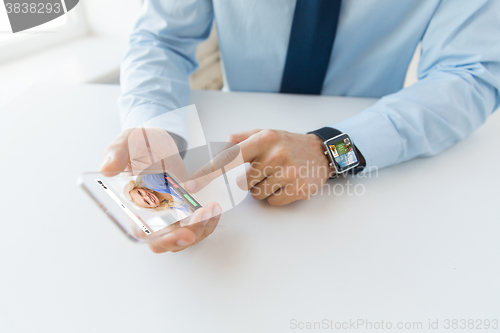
(421, 243)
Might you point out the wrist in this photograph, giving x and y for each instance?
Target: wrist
(314, 138)
(319, 149)
(327, 133)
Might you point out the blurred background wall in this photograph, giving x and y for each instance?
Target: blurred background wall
(87, 45)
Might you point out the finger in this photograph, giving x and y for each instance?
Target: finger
(252, 147)
(177, 240)
(267, 187)
(222, 162)
(241, 136)
(209, 212)
(140, 234)
(199, 220)
(209, 228)
(252, 176)
(164, 151)
(181, 238)
(141, 147)
(257, 172)
(116, 155)
(213, 222)
(199, 215)
(249, 150)
(260, 169)
(285, 195)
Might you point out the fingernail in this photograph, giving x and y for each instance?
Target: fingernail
(182, 242)
(217, 210)
(190, 185)
(106, 161)
(205, 217)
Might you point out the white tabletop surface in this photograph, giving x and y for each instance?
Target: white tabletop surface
(422, 243)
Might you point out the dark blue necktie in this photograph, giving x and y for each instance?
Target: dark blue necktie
(311, 40)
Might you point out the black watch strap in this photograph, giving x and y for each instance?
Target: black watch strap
(326, 133)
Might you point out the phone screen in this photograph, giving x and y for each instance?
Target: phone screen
(155, 203)
(152, 201)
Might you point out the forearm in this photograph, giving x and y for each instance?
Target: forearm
(458, 88)
(421, 120)
(160, 58)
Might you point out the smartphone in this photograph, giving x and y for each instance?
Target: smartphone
(144, 206)
(154, 203)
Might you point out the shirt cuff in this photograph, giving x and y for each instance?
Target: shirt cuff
(148, 115)
(375, 137)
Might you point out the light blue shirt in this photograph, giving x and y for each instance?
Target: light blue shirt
(459, 70)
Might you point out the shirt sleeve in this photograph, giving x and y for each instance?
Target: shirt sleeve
(458, 88)
(161, 56)
(156, 182)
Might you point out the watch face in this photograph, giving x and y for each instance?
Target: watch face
(342, 151)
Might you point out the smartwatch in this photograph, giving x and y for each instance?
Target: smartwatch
(342, 154)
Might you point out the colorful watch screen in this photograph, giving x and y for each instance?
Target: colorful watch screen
(342, 151)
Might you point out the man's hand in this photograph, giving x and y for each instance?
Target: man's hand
(200, 225)
(139, 149)
(285, 166)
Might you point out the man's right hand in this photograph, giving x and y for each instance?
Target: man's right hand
(140, 148)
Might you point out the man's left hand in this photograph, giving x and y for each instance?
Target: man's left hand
(285, 166)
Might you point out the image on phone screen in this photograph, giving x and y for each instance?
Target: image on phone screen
(153, 201)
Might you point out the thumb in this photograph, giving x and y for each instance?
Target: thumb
(241, 136)
(115, 161)
(116, 156)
